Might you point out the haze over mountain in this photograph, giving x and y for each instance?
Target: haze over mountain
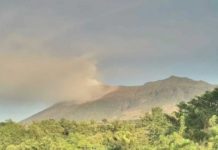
(129, 102)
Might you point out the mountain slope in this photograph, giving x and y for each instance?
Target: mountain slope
(129, 102)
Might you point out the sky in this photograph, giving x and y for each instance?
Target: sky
(50, 48)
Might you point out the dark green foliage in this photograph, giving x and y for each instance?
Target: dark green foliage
(197, 113)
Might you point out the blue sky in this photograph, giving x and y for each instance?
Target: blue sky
(131, 42)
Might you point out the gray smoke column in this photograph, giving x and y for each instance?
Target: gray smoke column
(45, 77)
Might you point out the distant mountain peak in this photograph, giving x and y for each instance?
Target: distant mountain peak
(173, 77)
(177, 79)
(129, 102)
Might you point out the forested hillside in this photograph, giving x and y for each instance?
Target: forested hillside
(194, 126)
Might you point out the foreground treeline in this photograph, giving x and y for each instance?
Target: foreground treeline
(193, 127)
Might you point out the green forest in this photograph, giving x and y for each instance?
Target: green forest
(193, 127)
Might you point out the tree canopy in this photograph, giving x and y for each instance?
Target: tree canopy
(194, 126)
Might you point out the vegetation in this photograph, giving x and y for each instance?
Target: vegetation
(193, 127)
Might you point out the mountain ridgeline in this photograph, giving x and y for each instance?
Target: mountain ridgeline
(128, 102)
